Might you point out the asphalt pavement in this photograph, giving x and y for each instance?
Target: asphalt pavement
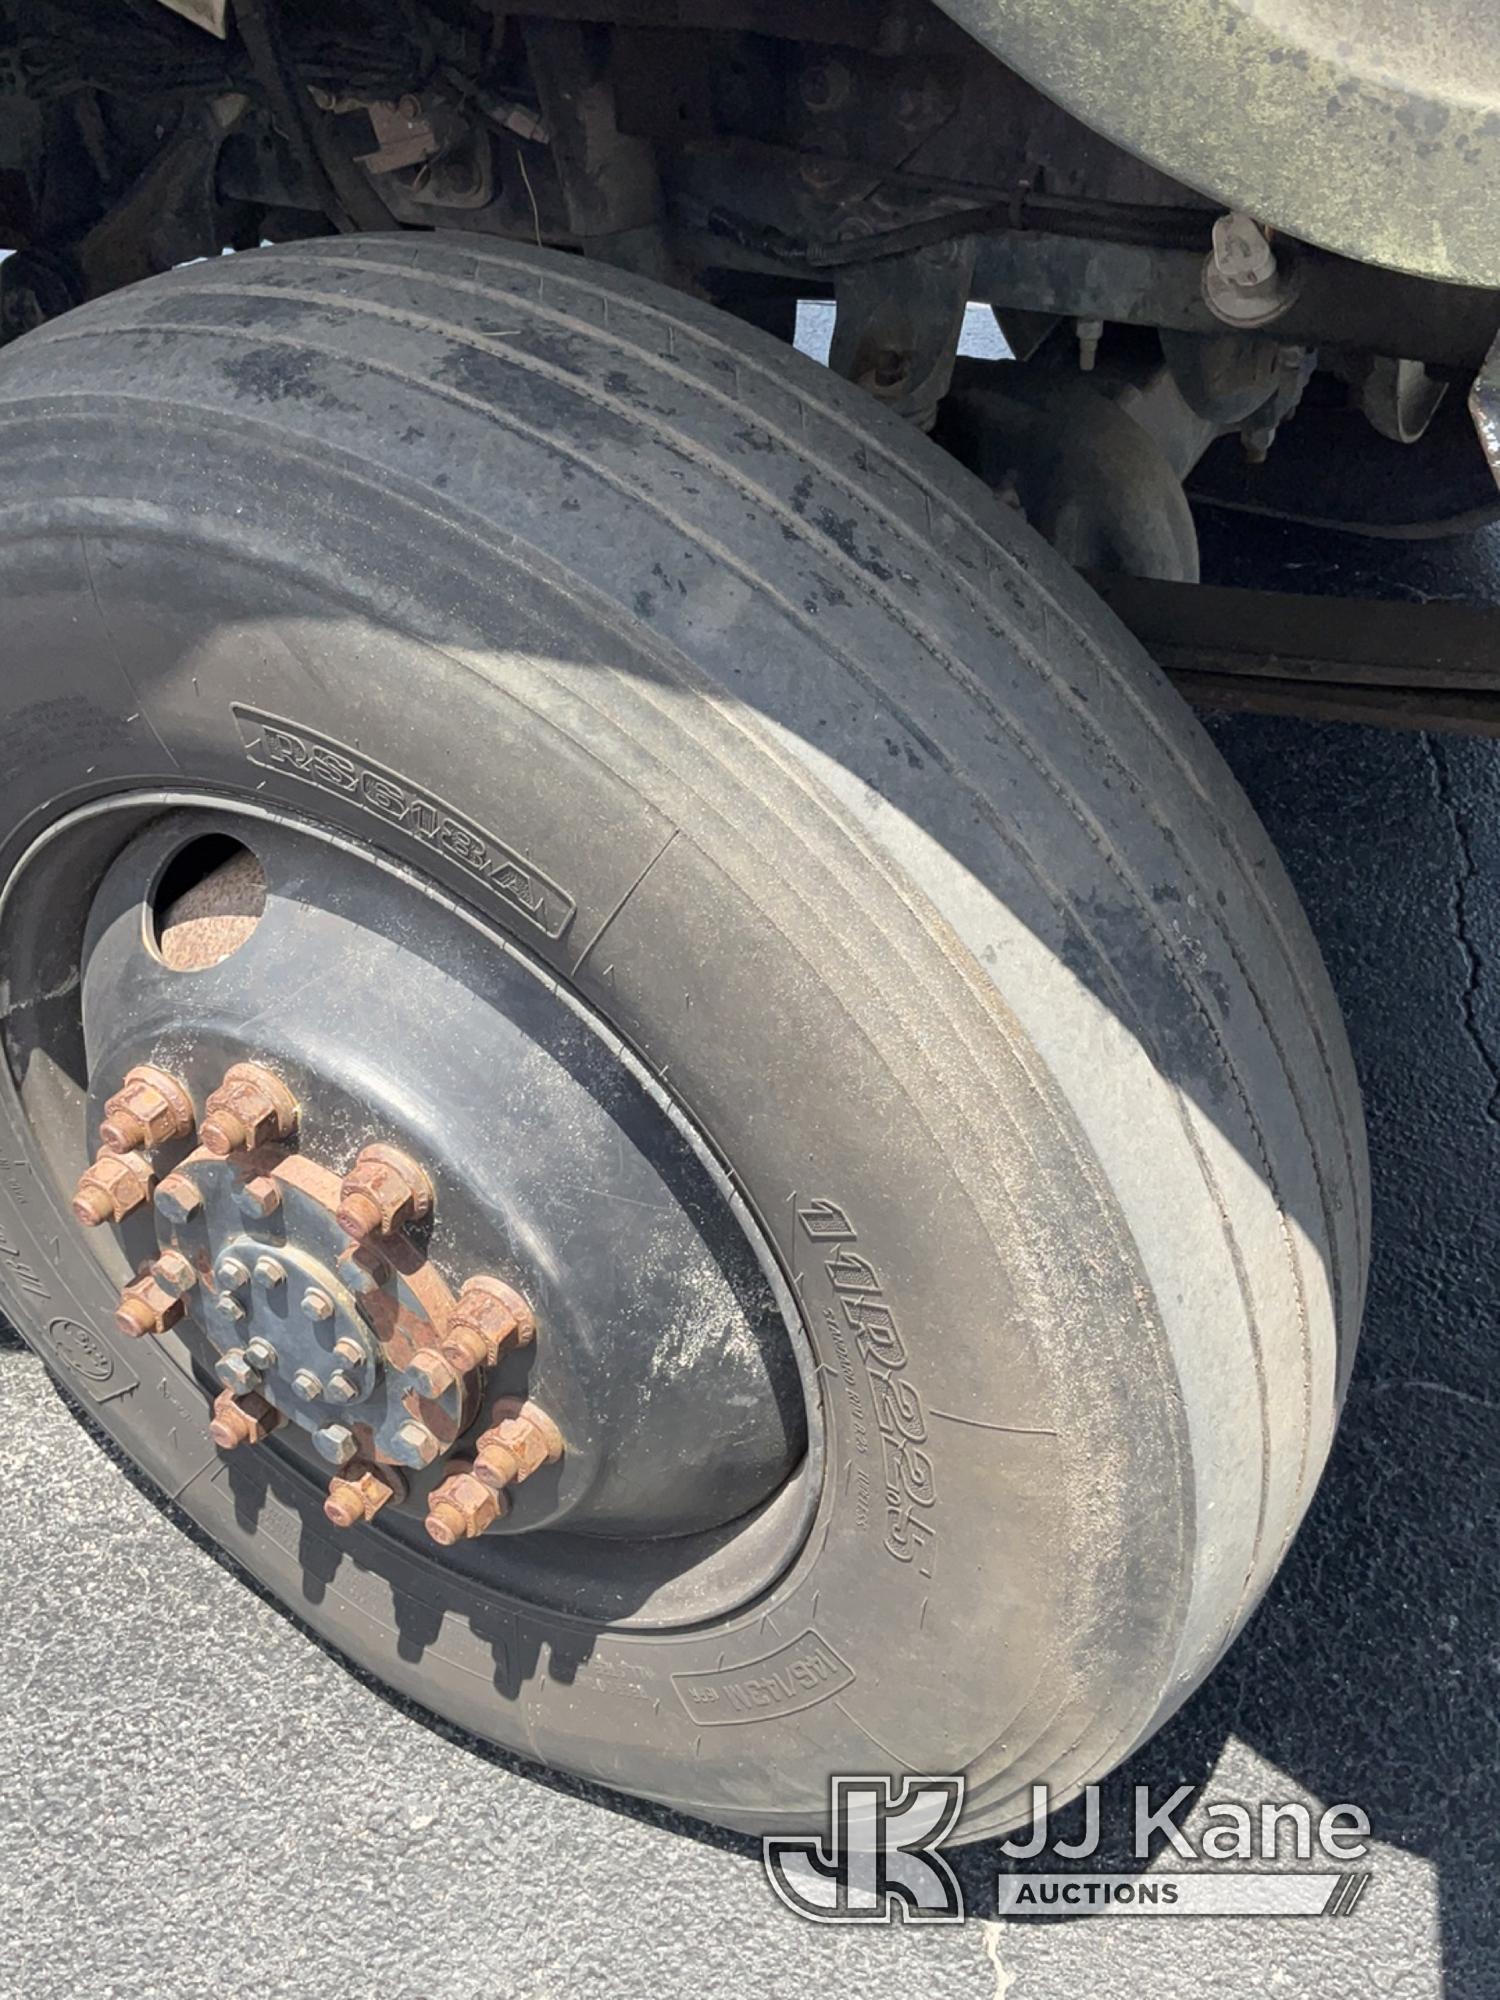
(198, 1800)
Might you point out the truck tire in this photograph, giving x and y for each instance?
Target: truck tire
(887, 856)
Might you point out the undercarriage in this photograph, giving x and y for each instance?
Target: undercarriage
(875, 157)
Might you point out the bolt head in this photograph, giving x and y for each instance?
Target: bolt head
(335, 1442)
(261, 1355)
(316, 1304)
(174, 1273)
(414, 1445)
(258, 1198)
(342, 1387)
(235, 1372)
(233, 1273)
(1241, 250)
(348, 1349)
(432, 1374)
(229, 1308)
(269, 1272)
(307, 1385)
(177, 1200)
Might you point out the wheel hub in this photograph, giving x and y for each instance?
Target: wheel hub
(324, 1312)
(418, 1126)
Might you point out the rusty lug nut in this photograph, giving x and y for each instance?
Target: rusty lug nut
(524, 1440)
(462, 1507)
(250, 1108)
(147, 1110)
(174, 1273)
(382, 1191)
(145, 1308)
(257, 1198)
(486, 1316)
(360, 1493)
(415, 1445)
(107, 1191)
(242, 1419)
(177, 1200)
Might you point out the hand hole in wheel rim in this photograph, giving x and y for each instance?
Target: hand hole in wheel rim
(208, 900)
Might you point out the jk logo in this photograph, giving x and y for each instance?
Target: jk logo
(880, 1860)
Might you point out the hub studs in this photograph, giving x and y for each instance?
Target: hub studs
(487, 1317)
(148, 1109)
(462, 1507)
(360, 1493)
(384, 1190)
(242, 1419)
(146, 1308)
(112, 1188)
(332, 1307)
(250, 1108)
(477, 1495)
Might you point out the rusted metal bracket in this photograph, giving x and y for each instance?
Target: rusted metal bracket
(1326, 659)
(898, 326)
(610, 183)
